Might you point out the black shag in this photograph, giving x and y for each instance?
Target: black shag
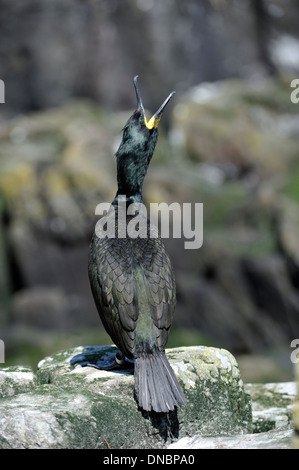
(132, 278)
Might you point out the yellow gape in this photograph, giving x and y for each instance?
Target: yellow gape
(153, 122)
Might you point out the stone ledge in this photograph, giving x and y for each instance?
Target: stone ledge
(274, 439)
(70, 406)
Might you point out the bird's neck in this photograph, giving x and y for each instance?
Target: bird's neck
(131, 172)
(120, 198)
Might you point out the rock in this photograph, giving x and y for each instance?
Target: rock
(250, 299)
(56, 166)
(272, 422)
(272, 405)
(188, 34)
(201, 41)
(71, 406)
(274, 295)
(239, 127)
(15, 380)
(275, 439)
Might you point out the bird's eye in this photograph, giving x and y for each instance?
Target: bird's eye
(141, 121)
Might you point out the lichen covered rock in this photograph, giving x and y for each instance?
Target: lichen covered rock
(274, 439)
(73, 405)
(14, 380)
(272, 425)
(238, 126)
(272, 405)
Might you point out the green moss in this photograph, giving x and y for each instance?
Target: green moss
(83, 433)
(262, 425)
(268, 398)
(230, 410)
(4, 444)
(116, 423)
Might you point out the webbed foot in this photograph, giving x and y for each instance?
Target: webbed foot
(120, 362)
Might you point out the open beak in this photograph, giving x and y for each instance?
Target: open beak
(155, 119)
(138, 96)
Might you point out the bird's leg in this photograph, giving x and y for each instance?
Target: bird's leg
(118, 363)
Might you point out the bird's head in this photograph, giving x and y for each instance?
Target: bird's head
(139, 134)
(137, 147)
(155, 119)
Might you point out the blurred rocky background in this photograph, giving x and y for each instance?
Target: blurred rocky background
(229, 140)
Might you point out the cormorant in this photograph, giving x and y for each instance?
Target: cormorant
(132, 278)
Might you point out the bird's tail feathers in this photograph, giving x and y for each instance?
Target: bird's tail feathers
(156, 386)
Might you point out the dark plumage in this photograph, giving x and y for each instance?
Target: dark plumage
(132, 279)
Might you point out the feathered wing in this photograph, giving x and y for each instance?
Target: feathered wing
(112, 278)
(114, 290)
(160, 288)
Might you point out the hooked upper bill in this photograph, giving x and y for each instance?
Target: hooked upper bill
(155, 119)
